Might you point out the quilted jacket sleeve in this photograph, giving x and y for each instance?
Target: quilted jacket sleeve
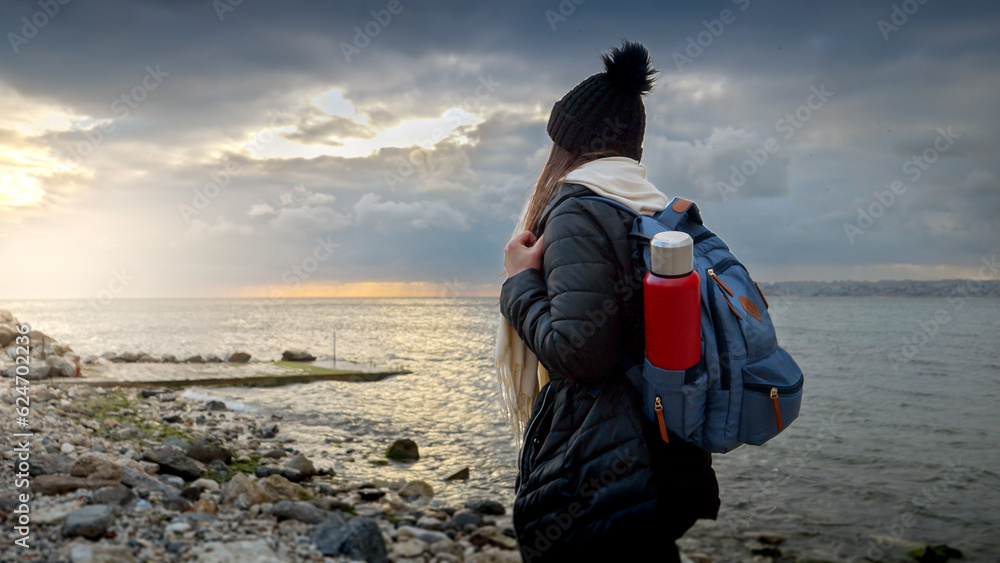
(568, 317)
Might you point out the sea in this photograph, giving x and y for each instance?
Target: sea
(897, 440)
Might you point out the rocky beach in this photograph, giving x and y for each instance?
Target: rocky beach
(148, 474)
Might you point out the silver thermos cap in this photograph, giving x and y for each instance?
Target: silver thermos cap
(671, 253)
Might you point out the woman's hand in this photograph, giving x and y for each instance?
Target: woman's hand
(522, 252)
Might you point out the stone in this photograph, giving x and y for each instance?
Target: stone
(460, 474)
(487, 507)
(61, 484)
(301, 464)
(176, 503)
(144, 482)
(426, 536)
(7, 335)
(196, 359)
(173, 461)
(113, 496)
(246, 551)
(242, 492)
(205, 506)
(491, 535)
(206, 484)
(359, 538)
(216, 406)
(87, 552)
(177, 443)
(403, 449)
(59, 367)
(167, 398)
(416, 489)
(67, 448)
(147, 359)
(97, 466)
(172, 480)
(214, 358)
(207, 453)
(408, 548)
(173, 419)
(147, 393)
(297, 356)
(466, 518)
(299, 510)
(168, 358)
(55, 513)
(268, 432)
(129, 357)
(90, 522)
(276, 453)
(370, 495)
(283, 489)
(49, 464)
(219, 466)
(239, 358)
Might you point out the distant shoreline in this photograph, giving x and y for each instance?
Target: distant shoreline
(885, 288)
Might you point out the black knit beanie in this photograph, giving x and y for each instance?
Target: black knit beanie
(605, 111)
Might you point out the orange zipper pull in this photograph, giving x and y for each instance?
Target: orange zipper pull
(711, 273)
(777, 409)
(658, 407)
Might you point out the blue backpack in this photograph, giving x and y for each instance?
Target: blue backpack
(745, 389)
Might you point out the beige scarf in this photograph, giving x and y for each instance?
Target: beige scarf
(519, 373)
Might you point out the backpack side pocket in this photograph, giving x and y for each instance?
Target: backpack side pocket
(678, 404)
(772, 395)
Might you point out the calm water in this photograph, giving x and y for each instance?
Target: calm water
(902, 446)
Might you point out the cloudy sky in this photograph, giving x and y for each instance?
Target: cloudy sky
(200, 148)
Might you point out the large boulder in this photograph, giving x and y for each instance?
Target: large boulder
(282, 489)
(174, 461)
(242, 492)
(207, 453)
(90, 522)
(299, 510)
(59, 367)
(297, 356)
(93, 465)
(239, 358)
(7, 335)
(359, 538)
(403, 449)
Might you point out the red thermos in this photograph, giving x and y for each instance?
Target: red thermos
(672, 303)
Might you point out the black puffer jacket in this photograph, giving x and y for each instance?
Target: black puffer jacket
(594, 478)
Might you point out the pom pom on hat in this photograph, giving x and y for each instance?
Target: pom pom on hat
(605, 111)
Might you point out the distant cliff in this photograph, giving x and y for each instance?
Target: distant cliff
(895, 288)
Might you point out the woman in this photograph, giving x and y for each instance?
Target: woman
(595, 481)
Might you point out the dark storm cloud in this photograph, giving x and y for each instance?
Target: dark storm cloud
(733, 75)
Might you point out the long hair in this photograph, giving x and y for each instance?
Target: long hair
(559, 163)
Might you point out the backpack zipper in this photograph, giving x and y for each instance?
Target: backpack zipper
(711, 274)
(658, 407)
(777, 409)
